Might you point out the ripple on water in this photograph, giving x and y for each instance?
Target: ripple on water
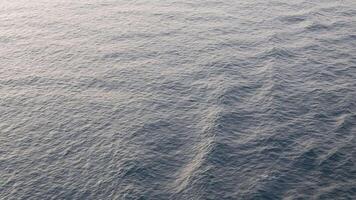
(177, 100)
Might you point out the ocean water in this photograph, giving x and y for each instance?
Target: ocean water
(183, 99)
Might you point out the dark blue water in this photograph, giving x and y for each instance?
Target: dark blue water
(106, 99)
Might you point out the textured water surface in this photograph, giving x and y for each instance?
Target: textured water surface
(185, 99)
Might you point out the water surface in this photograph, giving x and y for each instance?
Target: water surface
(217, 99)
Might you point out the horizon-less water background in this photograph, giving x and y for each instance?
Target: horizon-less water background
(186, 99)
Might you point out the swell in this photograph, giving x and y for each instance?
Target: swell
(191, 172)
(226, 144)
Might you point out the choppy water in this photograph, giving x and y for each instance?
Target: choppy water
(218, 99)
